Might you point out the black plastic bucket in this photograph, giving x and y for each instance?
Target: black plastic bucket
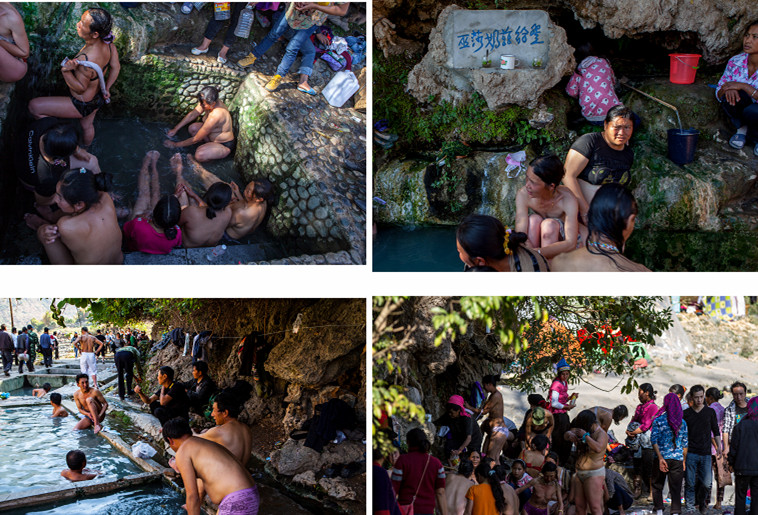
(682, 144)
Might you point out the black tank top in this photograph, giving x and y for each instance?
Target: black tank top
(34, 170)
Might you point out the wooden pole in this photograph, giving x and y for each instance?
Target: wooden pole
(10, 304)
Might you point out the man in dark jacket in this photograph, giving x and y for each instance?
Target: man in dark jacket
(6, 349)
(200, 389)
(22, 348)
(46, 347)
(743, 458)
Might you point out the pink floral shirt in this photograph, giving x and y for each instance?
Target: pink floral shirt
(593, 86)
(736, 71)
(563, 395)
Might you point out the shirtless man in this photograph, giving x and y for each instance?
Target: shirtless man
(88, 346)
(589, 479)
(546, 496)
(41, 392)
(91, 403)
(456, 487)
(607, 415)
(554, 226)
(76, 461)
(14, 45)
(227, 482)
(494, 427)
(215, 133)
(248, 208)
(203, 220)
(55, 402)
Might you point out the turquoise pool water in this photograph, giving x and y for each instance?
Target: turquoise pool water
(33, 450)
(417, 249)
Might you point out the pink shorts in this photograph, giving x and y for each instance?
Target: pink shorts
(241, 502)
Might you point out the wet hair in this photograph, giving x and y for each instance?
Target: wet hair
(176, 428)
(484, 236)
(166, 215)
(648, 389)
(697, 388)
(167, 371)
(584, 420)
(208, 95)
(609, 211)
(417, 440)
(82, 376)
(491, 379)
(549, 467)
(102, 23)
(263, 189)
(225, 401)
(81, 185)
(75, 460)
(540, 442)
(619, 111)
(714, 393)
(56, 398)
(201, 367)
(619, 413)
(549, 169)
(534, 399)
(483, 471)
(217, 197)
(738, 384)
(47, 387)
(677, 389)
(60, 141)
(465, 468)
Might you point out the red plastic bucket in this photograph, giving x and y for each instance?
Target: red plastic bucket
(683, 68)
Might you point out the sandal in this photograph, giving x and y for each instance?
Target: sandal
(311, 92)
(197, 51)
(737, 141)
(222, 60)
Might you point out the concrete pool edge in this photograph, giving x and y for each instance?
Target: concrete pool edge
(37, 496)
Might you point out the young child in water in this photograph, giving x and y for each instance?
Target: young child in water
(55, 402)
(76, 461)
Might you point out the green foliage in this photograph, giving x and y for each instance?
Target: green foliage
(427, 126)
(127, 311)
(516, 323)
(732, 250)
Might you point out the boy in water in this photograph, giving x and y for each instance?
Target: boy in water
(41, 392)
(55, 402)
(76, 461)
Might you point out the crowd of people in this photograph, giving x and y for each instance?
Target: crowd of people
(555, 464)
(76, 220)
(19, 347)
(576, 215)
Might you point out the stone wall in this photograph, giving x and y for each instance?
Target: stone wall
(315, 156)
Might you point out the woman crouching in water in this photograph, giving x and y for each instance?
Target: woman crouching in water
(610, 222)
(88, 233)
(484, 245)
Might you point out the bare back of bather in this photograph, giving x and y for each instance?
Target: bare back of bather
(87, 342)
(93, 237)
(200, 231)
(235, 436)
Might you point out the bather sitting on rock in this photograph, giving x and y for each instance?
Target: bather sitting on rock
(55, 402)
(153, 227)
(203, 220)
(611, 221)
(14, 45)
(170, 400)
(215, 134)
(76, 461)
(85, 75)
(52, 147)
(249, 209)
(553, 227)
(201, 388)
(227, 483)
(91, 403)
(88, 233)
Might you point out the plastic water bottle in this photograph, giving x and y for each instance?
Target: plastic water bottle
(216, 252)
(198, 5)
(245, 23)
(222, 11)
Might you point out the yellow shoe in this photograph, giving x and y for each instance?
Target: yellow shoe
(247, 61)
(274, 83)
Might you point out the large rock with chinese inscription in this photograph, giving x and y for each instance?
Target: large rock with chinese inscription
(454, 67)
